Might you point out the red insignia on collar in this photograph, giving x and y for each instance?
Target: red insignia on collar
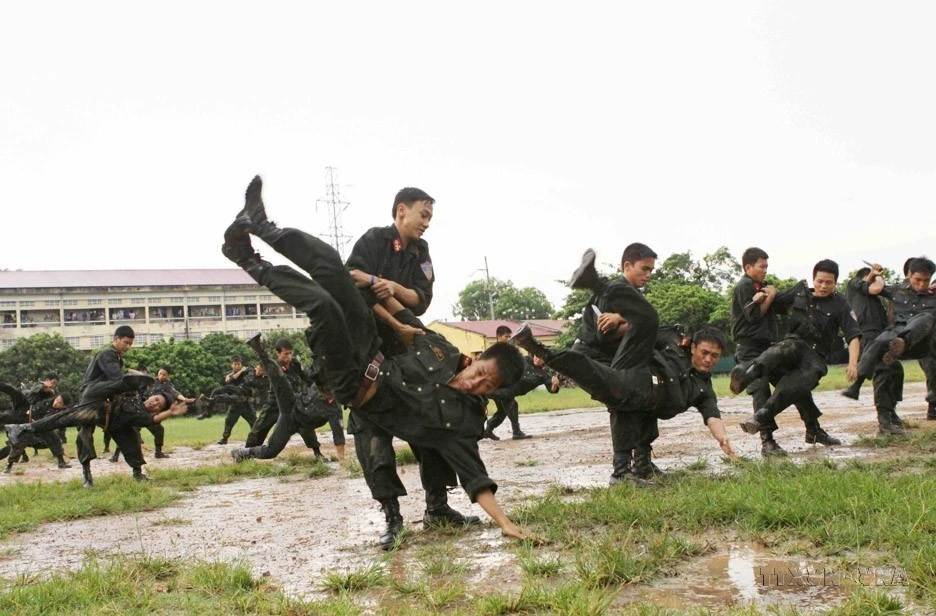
(397, 245)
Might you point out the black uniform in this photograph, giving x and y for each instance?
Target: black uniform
(269, 412)
(49, 440)
(105, 367)
(413, 401)
(380, 252)
(616, 372)
(506, 399)
(301, 410)
(795, 364)
(872, 319)
(157, 429)
(239, 407)
(914, 321)
(110, 404)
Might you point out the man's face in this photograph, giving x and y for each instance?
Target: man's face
(478, 379)
(58, 404)
(285, 356)
(504, 337)
(919, 281)
(705, 355)
(259, 371)
(162, 376)
(155, 404)
(824, 284)
(48, 385)
(758, 271)
(538, 361)
(638, 272)
(235, 366)
(413, 221)
(123, 344)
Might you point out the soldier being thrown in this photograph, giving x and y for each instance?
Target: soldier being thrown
(441, 396)
(795, 364)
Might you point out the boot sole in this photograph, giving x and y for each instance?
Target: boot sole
(895, 349)
(588, 263)
(750, 425)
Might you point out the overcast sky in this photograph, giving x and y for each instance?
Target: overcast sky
(129, 131)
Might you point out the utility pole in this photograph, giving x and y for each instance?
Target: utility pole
(336, 204)
(487, 287)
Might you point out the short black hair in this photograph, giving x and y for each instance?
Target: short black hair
(921, 265)
(863, 272)
(502, 330)
(67, 399)
(752, 255)
(124, 331)
(141, 366)
(509, 362)
(166, 368)
(712, 335)
(636, 252)
(283, 344)
(408, 196)
(237, 358)
(828, 266)
(51, 375)
(906, 267)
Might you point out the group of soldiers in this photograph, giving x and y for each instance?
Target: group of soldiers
(373, 355)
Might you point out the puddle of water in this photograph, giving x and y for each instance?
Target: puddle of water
(749, 574)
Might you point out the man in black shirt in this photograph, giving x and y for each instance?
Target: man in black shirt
(888, 379)
(427, 396)
(235, 384)
(43, 408)
(506, 399)
(795, 364)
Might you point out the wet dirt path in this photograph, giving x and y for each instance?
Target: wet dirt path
(297, 528)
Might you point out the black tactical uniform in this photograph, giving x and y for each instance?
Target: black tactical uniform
(795, 364)
(380, 252)
(506, 399)
(107, 365)
(269, 413)
(50, 440)
(301, 409)
(871, 315)
(115, 406)
(616, 372)
(239, 405)
(412, 401)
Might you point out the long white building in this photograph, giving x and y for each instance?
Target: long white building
(85, 306)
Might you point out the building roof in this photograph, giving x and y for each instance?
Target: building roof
(63, 279)
(488, 329)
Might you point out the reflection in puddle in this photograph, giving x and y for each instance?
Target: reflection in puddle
(750, 574)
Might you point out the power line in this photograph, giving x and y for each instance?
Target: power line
(335, 204)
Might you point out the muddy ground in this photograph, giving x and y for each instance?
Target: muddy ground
(297, 529)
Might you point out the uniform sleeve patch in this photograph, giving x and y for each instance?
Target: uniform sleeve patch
(426, 267)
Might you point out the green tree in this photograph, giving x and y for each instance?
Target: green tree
(509, 302)
(31, 358)
(689, 305)
(194, 369)
(474, 301)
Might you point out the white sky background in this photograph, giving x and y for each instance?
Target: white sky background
(128, 133)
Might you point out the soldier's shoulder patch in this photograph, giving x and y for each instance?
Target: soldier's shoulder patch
(437, 352)
(426, 267)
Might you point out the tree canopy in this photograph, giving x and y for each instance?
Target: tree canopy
(509, 302)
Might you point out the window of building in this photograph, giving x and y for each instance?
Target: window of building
(8, 304)
(138, 300)
(155, 337)
(52, 303)
(194, 300)
(7, 343)
(155, 300)
(27, 304)
(115, 301)
(214, 298)
(75, 342)
(250, 298)
(69, 302)
(97, 341)
(176, 300)
(95, 302)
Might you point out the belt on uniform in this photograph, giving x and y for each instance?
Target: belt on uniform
(370, 375)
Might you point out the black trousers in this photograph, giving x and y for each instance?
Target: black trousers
(237, 410)
(507, 408)
(759, 390)
(261, 427)
(794, 369)
(917, 334)
(887, 380)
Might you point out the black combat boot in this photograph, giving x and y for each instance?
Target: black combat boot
(114, 457)
(438, 512)
(138, 474)
(223, 441)
(887, 426)
(753, 424)
(816, 435)
(489, 433)
(643, 464)
(106, 449)
(622, 467)
(256, 343)
(243, 453)
(255, 212)
(237, 248)
(586, 276)
(88, 480)
(769, 447)
(62, 463)
(8, 468)
(391, 509)
(853, 391)
(743, 375)
(24, 458)
(896, 420)
(524, 339)
(931, 411)
(520, 435)
(895, 349)
(159, 453)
